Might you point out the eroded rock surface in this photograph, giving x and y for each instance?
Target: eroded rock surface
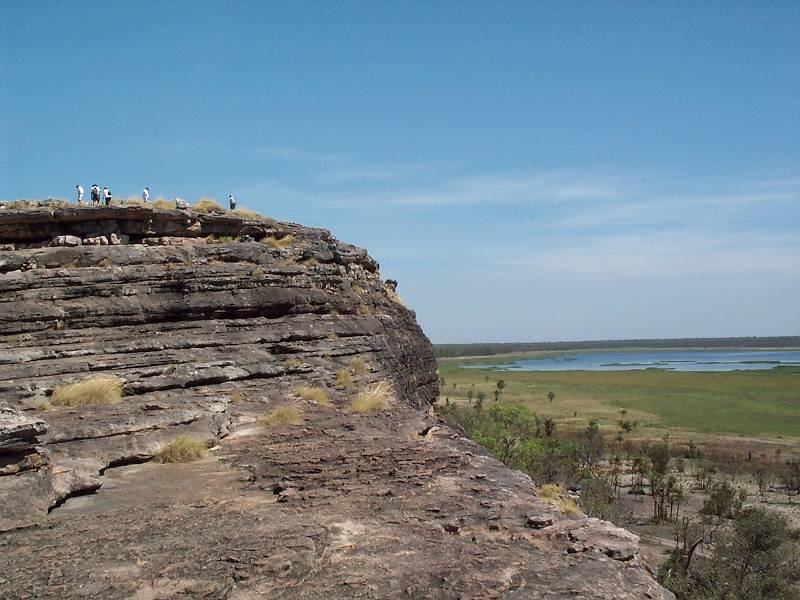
(209, 337)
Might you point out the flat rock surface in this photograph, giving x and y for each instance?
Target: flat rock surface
(209, 334)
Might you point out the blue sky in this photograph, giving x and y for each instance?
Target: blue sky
(528, 171)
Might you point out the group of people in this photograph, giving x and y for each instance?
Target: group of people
(106, 195)
(95, 195)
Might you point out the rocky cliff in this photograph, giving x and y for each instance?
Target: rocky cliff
(209, 322)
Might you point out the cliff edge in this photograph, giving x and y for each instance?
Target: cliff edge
(208, 323)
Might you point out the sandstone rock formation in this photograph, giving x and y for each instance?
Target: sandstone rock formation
(212, 321)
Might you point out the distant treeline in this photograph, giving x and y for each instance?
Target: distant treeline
(488, 349)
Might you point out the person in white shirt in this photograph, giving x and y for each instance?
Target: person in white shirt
(107, 196)
(232, 202)
(146, 195)
(79, 189)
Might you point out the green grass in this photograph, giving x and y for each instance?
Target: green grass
(742, 403)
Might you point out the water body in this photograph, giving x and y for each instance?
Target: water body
(668, 360)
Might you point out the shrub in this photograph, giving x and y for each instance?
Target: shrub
(182, 449)
(274, 242)
(207, 205)
(358, 366)
(723, 500)
(365, 310)
(344, 379)
(93, 390)
(378, 396)
(283, 415)
(314, 394)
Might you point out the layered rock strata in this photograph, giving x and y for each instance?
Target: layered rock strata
(212, 321)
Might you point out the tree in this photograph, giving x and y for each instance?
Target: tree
(510, 425)
(481, 398)
(551, 396)
(496, 395)
(470, 394)
(757, 560)
(759, 555)
(593, 445)
(549, 427)
(723, 500)
(501, 385)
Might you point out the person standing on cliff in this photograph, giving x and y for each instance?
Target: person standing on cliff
(232, 202)
(95, 194)
(107, 196)
(146, 195)
(79, 189)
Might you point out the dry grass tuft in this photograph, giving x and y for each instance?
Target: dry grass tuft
(164, 204)
(207, 205)
(365, 310)
(344, 379)
(43, 405)
(224, 239)
(569, 507)
(378, 396)
(557, 495)
(395, 297)
(313, 394)
(358, 366)
(293, 362)
(105, 262)
(274, 242)
(283, 415)
(550, 491)
(94, 390)
(246, 213)
(182, 449)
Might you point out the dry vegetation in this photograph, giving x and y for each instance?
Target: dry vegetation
(105, 263)
(557, 495)
(164, 204)
(358, 366)
(281, 416)
(207, 205)
(246, 213)
(94, 390)
(377, 397)
(182, 449)
(344, 379)
(274, 242)
(395, 297)
(314, 394)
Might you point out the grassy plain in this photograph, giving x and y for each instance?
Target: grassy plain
(758, 404)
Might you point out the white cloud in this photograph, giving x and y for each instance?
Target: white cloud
(670, 253)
